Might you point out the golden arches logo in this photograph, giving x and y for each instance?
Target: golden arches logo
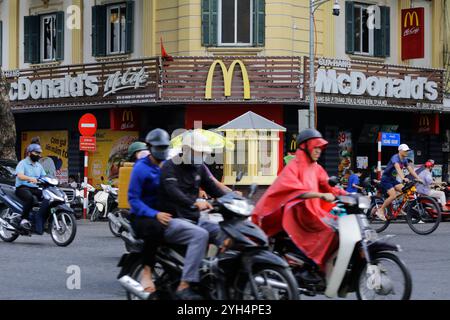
(127, 116)
(411, 16)
(424, 121)
(227, 78)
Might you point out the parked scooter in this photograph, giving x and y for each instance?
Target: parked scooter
(363, 262)
(243, 269)
(105, 200)
(59, 221)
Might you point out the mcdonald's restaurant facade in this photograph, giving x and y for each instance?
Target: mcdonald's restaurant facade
(355, 100)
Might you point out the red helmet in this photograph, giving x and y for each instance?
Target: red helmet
(429, 163)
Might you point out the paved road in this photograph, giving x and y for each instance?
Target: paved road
(35, 268)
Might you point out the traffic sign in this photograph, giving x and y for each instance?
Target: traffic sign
(87, 125)
(88, 144)
(390, 139)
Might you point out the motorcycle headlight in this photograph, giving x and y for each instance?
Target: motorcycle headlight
(240, 207)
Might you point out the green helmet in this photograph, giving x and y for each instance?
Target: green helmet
(135, 147)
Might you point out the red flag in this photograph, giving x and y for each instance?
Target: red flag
(164, 55)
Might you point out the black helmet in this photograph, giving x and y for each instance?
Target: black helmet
(158, 137)
(307, 134)
(158, 141)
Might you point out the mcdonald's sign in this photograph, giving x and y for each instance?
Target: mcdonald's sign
(227, 78)
(413, 33)
(124, 119)
(427, 123)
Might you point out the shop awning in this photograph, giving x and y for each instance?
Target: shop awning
(251, 120)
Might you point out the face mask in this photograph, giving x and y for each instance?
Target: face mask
(159, 153)
(34, 157)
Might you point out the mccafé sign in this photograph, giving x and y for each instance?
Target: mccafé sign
(357, 83)
(124, 119)
(413, 33)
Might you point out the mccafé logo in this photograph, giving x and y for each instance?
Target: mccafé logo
(127, 120)
(227, 78)
(356, 83)
(411, 23)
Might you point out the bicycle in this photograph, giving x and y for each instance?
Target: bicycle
(423, 213)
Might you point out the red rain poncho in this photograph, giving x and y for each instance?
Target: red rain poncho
(280, 209)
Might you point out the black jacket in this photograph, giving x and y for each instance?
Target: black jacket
(180, 186)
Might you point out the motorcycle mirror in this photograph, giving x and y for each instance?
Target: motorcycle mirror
(333, 181)
(253, 189)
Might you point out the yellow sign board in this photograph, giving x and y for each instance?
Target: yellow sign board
(227, 78)
(54, 146)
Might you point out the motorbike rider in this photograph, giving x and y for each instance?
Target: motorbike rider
(28, 171)
(427, 177)
(298, 203)
(181, 179)
(389, 182)
(148, 222)
(137, 150)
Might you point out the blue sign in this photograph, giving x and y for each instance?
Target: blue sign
(390, 139)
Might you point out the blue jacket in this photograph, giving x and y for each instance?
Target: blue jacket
(143, 189)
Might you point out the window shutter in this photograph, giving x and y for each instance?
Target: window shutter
(129, 27)
(259, 23)
(382, 36)
(99, 31)
(209, 23)
(349, 27)
(32, 39)
(60, 23)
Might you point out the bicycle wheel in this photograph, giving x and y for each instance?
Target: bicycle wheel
(376, 223)
(423, 215)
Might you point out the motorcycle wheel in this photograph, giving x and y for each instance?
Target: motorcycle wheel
(391, 268)
(423, 215)
(6, 235)
(68, 228)
(266, 278)
(112, 226)
(95, 214)
(376, 223)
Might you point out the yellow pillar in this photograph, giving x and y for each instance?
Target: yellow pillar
(275, 138)
(13, 26)
(328, 32)
(77, 36)
(402, 4)
(149, 27)
(437, 40)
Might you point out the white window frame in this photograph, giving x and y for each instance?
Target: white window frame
(122, 33)
(43, 17)
(371, 33)
(219, 26)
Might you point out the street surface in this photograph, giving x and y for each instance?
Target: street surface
(35, 268)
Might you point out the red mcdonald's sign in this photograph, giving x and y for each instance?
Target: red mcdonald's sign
(427, 123)
(413, 33)
(124, 119)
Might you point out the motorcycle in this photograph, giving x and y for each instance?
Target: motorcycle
(60, 221)
(105, 201)
(76, 199)
(363, 262)
(243, 269)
